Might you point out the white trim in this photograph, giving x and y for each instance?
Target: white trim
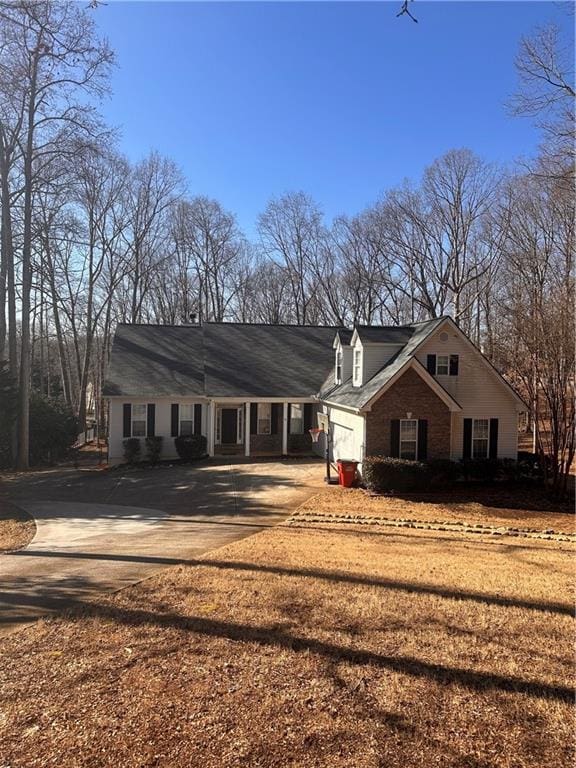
(285, 429)
(247, 429)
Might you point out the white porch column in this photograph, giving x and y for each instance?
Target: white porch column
(247, 430)
(211, 427)
(285, 429)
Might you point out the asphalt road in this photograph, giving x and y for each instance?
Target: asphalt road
(101, 531)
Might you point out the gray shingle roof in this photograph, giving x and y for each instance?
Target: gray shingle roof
(385, 334)
(357, 397)
(219, 360)
(156, 361)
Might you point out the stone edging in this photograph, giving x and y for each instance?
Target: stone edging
(454, 526)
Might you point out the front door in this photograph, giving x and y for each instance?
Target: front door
(229, 426)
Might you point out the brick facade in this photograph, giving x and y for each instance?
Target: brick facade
(266, 445)
(409, 394)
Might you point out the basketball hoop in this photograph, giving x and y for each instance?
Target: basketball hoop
(315, 432)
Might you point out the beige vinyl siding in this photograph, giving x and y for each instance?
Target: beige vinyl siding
(477, 389)
(376, 356)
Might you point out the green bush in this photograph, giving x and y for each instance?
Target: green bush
(486, 470)
(191, 447)
(132, 449)
(443, 473)
(382, 473)
(53, 429)
(153, 449)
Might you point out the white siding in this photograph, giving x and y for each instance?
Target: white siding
(347, 430)
(476, 389)
(162, 428)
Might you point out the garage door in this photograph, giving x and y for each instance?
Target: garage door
(342, 442)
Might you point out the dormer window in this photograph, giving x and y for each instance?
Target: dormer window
(357, 367)
(339, 367)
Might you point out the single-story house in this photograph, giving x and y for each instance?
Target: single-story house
(416, 391)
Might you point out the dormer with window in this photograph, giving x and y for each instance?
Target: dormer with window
(342, 357)
(357, 372)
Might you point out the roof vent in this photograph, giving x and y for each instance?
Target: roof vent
(444, 336)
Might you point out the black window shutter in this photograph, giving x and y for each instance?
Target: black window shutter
(198, 419)
(275, 417)
(493, 450)
(151, 418)
(467, 447)
(395, 438)
(127, 420)
(422, 439)
(289, 417)
(453, 365)
(174, 419)
(253, 418)
(431, 364)
(307, 417)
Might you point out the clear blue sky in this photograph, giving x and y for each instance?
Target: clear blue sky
(341, 100)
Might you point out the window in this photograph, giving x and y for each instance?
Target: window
(408, 438)
(339, 367)
(264, 419)
(480, 432)
(186, 419)
(357, 366)
(139, 413)
(296, 419)
(442, 365)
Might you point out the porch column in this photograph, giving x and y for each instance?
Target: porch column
(285, 429)
(247, 430)
(211, 427)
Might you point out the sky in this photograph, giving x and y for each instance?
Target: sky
(339, 99)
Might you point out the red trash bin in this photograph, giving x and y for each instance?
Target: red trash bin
(346, 472)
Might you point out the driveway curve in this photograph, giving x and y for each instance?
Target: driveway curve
(102, 531)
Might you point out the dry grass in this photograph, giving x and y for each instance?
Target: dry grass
(496, 506)
(17, 528)
(308, 646)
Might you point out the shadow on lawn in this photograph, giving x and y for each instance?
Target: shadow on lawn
(528, 497)
(60, 593)
(337, 653)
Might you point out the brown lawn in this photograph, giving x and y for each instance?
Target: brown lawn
(17, 528)
(498, 505)
(309, 645)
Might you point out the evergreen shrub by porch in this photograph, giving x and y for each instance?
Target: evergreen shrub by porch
(382, 473)
(191, 447)
(8, 405)
(132, 449)
(486, 470)
(153, 448)
(53, 429)
(443, 473)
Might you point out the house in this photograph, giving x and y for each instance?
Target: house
(420, 391)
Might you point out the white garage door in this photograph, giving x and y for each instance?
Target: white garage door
(342, 442)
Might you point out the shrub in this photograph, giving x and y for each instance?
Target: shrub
(382, 473)
(8, 405)
(485, 470)
(443, 473)
(132, 450)
(153, 449)
(53, 429)
(191, 447)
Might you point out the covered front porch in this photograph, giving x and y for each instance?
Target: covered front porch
(263, 427)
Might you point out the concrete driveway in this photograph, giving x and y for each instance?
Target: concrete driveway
(100, 531)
